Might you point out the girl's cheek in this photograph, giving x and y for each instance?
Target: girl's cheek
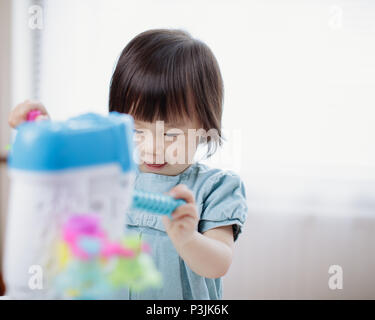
(169, 152)
(184, 154)
(173, 152)
(141, 154)
(190, 152)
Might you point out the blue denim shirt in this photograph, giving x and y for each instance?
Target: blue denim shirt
(221, 200)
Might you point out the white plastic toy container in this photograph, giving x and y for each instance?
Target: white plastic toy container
(82, 165)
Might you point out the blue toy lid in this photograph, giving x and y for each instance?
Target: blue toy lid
(87, 140)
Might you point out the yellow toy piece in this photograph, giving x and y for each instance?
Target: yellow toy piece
(63, 254)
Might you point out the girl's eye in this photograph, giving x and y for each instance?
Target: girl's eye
(165, 134)
(171, 134)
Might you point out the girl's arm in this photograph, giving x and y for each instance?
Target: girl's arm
(208, 254)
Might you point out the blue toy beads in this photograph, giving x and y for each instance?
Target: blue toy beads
(155, 203)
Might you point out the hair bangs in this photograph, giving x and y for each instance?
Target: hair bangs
(153, 97)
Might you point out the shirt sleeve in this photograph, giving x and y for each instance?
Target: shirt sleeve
(225, 203)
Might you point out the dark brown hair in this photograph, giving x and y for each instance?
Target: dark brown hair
(165, 74)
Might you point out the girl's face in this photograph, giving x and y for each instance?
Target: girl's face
(166, 149)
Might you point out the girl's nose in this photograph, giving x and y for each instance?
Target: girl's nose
(154, 153)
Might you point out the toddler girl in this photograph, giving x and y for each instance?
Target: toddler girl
(171, 84)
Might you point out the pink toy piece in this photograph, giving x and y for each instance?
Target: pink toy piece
(115, 249)
(33, 114)
(79, 226)
(83, 224)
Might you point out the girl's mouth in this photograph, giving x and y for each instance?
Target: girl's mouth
(155, 166)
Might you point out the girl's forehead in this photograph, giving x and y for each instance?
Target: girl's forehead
(185, 123)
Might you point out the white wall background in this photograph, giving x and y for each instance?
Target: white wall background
(299, 111)
(299, 75)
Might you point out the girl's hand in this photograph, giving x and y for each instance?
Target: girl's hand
(183, 226)
(19, 113)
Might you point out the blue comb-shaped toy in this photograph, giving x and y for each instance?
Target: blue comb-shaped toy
(155, 203)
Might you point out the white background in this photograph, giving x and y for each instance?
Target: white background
(299, 80)
(299, 75)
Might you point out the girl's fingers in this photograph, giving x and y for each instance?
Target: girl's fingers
(24, 108)
(185, 221)
(181, 191)
(180, 226)
(167, 222)
(188, 209)
(19, 113)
